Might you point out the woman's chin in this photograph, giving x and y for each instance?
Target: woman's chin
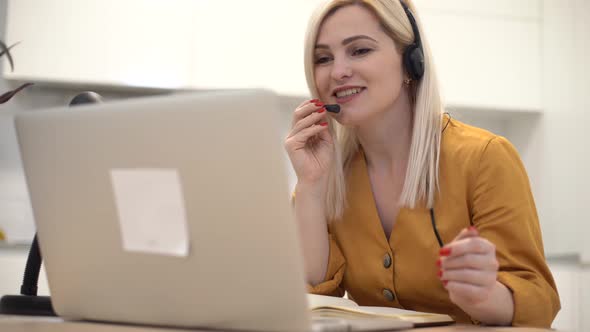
(348, 121)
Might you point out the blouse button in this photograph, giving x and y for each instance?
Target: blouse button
(388, 294)
(387, 260)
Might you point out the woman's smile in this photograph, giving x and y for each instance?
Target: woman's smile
(346, 94)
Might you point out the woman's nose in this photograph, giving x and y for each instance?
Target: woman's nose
(341, 70)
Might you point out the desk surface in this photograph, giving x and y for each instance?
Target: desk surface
(44, 324)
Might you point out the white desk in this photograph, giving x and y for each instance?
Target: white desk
(44, 324)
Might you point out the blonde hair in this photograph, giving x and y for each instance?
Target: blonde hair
(421, 182)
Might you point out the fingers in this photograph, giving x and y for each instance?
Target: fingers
(467, 293)
(471, 245)
(470, 261)
(306, 108)
(469, 253)
(325, 135)
(483, 278)
(468, 267)
(299, 140)
(467, 232)
(308, 121)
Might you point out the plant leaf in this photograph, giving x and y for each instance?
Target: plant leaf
(8, 95)
(6, 50)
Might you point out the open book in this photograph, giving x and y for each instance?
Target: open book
(338, 307)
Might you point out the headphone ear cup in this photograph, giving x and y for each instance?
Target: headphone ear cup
(414, 61)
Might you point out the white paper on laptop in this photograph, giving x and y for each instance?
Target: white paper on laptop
(151, 211)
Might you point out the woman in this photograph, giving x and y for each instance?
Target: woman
(397, 203)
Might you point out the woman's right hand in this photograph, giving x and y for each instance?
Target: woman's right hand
(309, 143)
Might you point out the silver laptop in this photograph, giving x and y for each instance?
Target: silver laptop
(170, 211)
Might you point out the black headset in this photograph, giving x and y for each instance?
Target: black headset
(413, 55)
(414, 63)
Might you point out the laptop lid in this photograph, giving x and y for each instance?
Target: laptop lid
(168, 210)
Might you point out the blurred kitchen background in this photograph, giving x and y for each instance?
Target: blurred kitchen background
(518, 68)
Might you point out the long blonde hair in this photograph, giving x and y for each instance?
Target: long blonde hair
(421, 182)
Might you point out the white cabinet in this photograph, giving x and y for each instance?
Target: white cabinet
(486, 62)
(104, 42)
(521, 9)
(171, 44)
(256, 43)
(488, 55)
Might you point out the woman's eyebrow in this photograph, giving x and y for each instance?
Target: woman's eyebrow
(353, 38)
(346, 41)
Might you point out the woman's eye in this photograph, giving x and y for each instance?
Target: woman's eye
(361, 51)
(322, 59)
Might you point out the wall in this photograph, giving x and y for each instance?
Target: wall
(564, 124)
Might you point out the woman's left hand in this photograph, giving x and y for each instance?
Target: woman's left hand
(468, 268)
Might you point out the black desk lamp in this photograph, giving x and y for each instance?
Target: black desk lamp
(28, 303)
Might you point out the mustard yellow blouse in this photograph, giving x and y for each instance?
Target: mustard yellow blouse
(483, 183)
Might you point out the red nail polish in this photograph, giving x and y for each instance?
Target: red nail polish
(323, 124)
(439, 273)
(445, 282)
(322, 110)
(444, 251)
(438, 262)
(319, 104)
(314, 101)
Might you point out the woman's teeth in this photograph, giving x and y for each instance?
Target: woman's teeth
(347, 92)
